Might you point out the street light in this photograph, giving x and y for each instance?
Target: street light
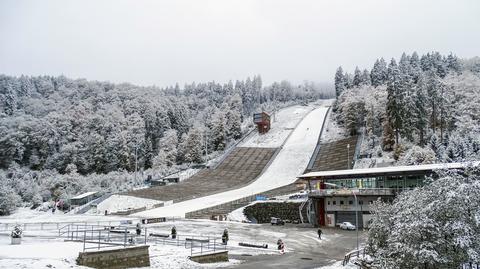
(136, 162)
(348, 156)
(356, 205)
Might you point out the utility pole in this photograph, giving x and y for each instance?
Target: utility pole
(348, 156)
(136, 163)
(205, 142)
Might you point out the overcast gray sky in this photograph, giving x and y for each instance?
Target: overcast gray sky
(163, 42)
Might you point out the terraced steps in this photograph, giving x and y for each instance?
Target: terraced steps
(335, 155)
(239, 168)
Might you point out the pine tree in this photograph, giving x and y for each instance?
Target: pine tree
(339, 82)
(357, 77)
(388, 137)
(365, 78)
(394, 99)
(379, 72)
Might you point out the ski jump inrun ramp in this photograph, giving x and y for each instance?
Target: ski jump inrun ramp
(291, 161)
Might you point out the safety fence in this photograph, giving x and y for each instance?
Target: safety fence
(100, 237)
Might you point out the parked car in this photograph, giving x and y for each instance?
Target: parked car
(276, 221)
(347, 226)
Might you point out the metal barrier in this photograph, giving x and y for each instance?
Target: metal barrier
(354, 253)
(98, 237)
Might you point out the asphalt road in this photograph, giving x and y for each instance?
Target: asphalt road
(304, 249)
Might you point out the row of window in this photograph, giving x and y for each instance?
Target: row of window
(350, 202)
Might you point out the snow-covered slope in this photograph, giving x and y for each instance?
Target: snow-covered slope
(290, 162)
(285, 121)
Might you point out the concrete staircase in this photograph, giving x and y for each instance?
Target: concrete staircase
(334, 155)
(238, 169)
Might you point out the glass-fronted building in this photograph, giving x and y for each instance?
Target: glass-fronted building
(335, 196)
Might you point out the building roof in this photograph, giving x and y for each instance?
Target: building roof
(391, 170)
(83, 195)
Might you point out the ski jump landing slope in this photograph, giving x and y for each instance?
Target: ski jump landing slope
(290, 162)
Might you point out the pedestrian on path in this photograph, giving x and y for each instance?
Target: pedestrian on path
(319, 233)
(139, 228)
(281, 246)
(174, 232)
(225, 237)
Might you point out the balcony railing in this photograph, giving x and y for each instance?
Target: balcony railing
(358, 192)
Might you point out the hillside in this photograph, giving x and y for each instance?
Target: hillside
(60, 137)
(422, 110)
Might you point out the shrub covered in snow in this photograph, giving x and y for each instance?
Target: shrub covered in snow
(417, 155)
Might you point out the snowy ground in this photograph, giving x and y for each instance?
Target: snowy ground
(290, 162)
(117, 203)
(38, 252)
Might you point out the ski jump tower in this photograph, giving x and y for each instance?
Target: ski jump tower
(262, 120)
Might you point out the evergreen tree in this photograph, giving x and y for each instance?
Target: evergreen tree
(379, 72)
(365, 78)
(394, 99)
(357, 77)
(339, 82)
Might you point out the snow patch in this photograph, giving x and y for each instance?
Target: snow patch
(117, 203)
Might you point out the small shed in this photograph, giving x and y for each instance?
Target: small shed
(262, 120)
(84, 198)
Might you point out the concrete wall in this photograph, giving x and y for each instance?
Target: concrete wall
(262, 212)
(221, 256)
(116, 258)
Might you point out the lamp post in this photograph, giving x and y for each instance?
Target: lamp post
(136, 162)
(348, 156)
(356, 205)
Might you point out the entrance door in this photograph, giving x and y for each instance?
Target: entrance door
(321, 211)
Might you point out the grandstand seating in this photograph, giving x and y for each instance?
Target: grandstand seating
(334, 155)
(239, 168)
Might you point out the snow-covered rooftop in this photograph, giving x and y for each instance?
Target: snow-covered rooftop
(390, 169)
(83, 195)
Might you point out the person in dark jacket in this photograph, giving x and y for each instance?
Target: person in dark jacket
(225, 237)
(138, 228)
(319, 233)
(174, 232)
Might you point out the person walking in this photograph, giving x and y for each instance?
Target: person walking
(174, 232)
(319, 233)
(281, 246)
(225, 237)
(139, 228)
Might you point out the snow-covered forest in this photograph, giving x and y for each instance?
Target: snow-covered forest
(435, 226)
(423, 109)
(60, 136)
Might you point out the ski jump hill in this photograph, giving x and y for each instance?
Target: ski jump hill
(259, 164)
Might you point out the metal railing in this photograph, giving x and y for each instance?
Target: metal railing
(366, 191)
(317, 147)
(100, 237)
(52, 226)
(354, 253)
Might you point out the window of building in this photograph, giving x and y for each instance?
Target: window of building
(328, 202)
(334, 202)
(350, 202)
(341, 202)
(360, 202)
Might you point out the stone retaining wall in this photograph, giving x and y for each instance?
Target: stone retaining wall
(116, 258)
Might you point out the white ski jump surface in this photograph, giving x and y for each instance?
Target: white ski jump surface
(290, 162)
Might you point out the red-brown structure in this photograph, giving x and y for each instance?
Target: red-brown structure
(262, 120)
